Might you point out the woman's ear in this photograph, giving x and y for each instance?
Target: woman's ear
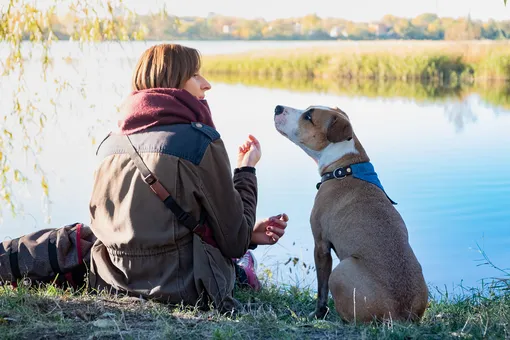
(339, 130)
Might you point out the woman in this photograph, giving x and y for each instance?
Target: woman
(142, 248)
(167, 218)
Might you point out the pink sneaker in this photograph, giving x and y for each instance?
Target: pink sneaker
(249, 264)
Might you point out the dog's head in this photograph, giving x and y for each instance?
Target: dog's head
(324, 133)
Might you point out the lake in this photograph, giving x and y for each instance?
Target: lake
(444, 161)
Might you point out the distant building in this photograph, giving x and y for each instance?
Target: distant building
(334, 32)
(378, 29)
(226, 29)
(298, 28)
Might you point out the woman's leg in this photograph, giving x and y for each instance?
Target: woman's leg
(48, 255)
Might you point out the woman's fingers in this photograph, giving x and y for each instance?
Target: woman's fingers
(280, 219)
(254, 140)
(275, 230)
(277, 223)
(273, 236)
(245, 147)
(285, 217)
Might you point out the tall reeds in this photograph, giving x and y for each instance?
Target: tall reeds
(440, 62)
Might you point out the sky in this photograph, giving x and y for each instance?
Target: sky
(354, 10)
(358, 10)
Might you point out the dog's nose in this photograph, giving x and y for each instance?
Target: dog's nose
(278, 109)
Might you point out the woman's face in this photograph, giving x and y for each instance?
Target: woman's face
(197, 85)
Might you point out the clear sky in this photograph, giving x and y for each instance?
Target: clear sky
(355, 10)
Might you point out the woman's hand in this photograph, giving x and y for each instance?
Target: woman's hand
(269, 230)
(249, 153)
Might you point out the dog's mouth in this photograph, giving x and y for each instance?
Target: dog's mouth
(282, 133)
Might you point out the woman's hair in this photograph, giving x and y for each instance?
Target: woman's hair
(165, 65)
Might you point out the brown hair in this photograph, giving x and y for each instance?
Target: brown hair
(165, 65)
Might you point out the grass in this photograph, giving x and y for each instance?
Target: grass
(441, 62)
(47, 312)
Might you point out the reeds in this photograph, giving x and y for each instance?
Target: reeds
(440, 62)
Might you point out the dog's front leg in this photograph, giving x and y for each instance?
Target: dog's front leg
(323, 262)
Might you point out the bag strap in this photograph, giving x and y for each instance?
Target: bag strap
(148, 177)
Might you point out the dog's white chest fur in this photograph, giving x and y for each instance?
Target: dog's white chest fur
(334, 152)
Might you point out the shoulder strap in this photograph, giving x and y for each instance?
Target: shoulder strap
(148, 177)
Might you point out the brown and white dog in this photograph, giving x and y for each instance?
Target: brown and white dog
(379, 276)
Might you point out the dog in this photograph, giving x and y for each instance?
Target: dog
(379, 276)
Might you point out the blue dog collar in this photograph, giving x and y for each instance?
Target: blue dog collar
(363, 171)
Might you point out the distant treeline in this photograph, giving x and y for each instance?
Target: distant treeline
(311, 27)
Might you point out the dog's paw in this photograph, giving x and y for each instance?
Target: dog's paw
(319, 313)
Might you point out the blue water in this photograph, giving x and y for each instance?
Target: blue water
(445, 163)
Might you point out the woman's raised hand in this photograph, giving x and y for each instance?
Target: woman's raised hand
(249, 152)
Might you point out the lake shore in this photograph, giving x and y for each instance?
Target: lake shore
(273, 313)
(437, 61)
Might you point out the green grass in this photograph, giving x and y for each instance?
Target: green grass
(440, 62)
(274, 313)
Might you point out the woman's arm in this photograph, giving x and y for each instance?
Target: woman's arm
(230, 204)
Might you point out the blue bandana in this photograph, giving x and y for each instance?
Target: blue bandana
(363, 171)
(366, 172)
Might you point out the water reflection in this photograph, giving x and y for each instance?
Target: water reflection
(460, 114)
(495, 94)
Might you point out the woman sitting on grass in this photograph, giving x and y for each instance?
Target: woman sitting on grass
(168, 221)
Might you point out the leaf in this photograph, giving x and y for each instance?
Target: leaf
(44, 185)
(17, 176)
(8, 133)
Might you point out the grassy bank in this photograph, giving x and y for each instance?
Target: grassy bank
(273, 313)
(494, 93)
(440, 62)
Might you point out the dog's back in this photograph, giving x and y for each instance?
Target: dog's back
(362, 224)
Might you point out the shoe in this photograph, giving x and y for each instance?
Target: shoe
(248, 263)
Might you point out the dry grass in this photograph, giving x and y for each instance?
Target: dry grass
(472, 50)
(274, 313)
(439, 61)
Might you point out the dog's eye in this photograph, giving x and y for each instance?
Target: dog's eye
(308, 115)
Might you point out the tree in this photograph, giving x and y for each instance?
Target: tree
(310, 23)
(86, 21)
(424, 20)
(463, 30)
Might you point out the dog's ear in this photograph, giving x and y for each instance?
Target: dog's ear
(339, 130)
(336, 108)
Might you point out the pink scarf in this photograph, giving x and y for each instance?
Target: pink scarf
(162, 106)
